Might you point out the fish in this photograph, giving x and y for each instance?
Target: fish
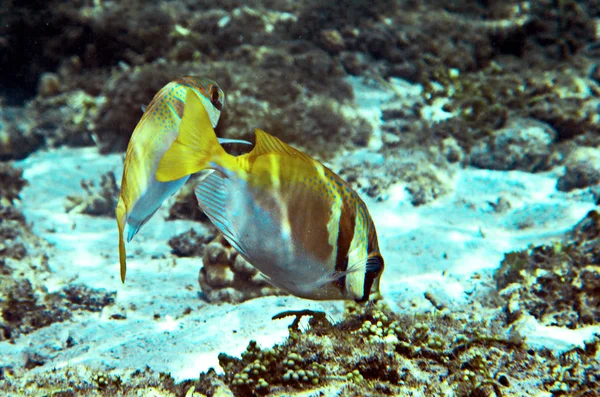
(141, 194)
(300, 224)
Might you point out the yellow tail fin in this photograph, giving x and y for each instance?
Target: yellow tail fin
(121, 213)
(196, 146)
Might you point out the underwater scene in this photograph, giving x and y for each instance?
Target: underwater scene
(300, 198)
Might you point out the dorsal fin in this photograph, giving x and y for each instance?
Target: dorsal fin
(266, 143)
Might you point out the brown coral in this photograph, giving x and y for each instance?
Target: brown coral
(227, 277)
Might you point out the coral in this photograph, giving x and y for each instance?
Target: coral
(582, 169)
(25, 303)
(49, 85)
(66, 118)
(99, 201)
(303, 51)
(24, 309)
(81, 380)
(17, 139)
(227, 277)
(82, 297)
(377, 352)
(332, 40)
(372, 351)
(558, 284)
(313, 113)
(15, 235)
(189, 243)
(23, 312)
(483, 109)
(427, 175)
(11, 180)
(520, 144)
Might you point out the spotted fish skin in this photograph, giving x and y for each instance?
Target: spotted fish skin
(141, 194)
(286, 213)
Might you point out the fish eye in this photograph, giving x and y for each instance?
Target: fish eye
(215, 98)
(375, 265)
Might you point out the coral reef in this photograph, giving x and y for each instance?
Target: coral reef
(558, 284)
(506, 85)
(378, 352)
(98, 201)
(227, 277)
(80, 380)
(283, 66)
(372, 351)
(66, 119)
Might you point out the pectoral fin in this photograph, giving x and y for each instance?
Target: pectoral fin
(212, 195)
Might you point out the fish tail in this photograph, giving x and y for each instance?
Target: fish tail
(196, 147)
(121, 214)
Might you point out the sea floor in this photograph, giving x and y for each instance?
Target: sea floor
(447, 248)
(442, 248)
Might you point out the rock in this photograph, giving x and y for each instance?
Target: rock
(189, 244)
(332, 41)
(582, 169)
(452, 150)
(522, 144)
(11, 180)
(48, 85)
(17, 139)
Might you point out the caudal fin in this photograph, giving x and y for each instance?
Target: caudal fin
(196, 146)
(121, 214)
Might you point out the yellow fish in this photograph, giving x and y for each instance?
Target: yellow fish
(287, 214)
(141, 194)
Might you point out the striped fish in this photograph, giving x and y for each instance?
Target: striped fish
(141, 194)
(287, 214)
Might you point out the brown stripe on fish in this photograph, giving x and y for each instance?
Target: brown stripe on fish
(302, 210)
(346, 226)
(375, 263)
(309, 212)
